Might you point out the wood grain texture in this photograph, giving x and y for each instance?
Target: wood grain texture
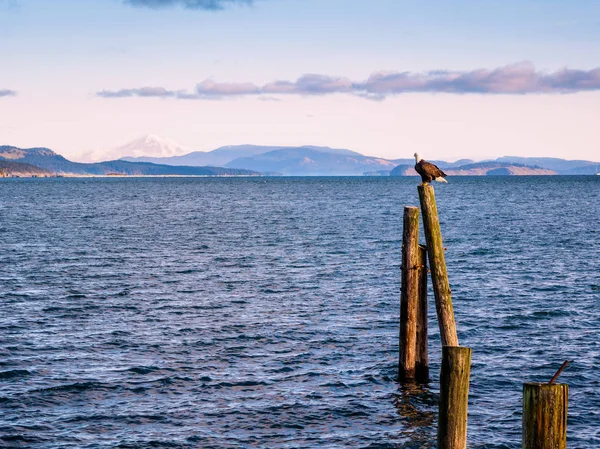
(545, 409)
(409, 294)
(422, 358)
(454, 397)
(437, 263)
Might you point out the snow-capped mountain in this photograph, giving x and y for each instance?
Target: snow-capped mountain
(146, 146)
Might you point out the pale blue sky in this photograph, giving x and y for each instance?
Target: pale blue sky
(58, 54)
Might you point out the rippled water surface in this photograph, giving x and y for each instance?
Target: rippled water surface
(243, 313)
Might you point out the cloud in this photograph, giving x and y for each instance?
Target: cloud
(211, 89)
(310, 84)
(210, 5)
(7, 93)
(520, 78)
(160, 92)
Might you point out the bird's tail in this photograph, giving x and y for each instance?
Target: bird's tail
(440, 179)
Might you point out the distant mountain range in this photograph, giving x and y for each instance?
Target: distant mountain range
(217, 158)
(311, 160)
(560, 166)
(304, 160)
(508, 165)
(290, 161)
(487, 168)
(54, 164)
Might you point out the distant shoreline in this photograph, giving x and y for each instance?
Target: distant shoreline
(130, 176)
(252, 160)
(281, 176)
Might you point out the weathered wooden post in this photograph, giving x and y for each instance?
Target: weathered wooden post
(545, 416)
(456, 360)
(437, 263)
(545, 408)
(422, 362)
(454, 397)
(409, 294)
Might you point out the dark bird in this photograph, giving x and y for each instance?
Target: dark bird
(428, 171)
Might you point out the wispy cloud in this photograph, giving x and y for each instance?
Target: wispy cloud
(210, 5)
(7, 93)
(209, 88)
(160, 92)
(521, 78)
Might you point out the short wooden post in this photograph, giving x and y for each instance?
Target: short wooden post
(454, 397)
(422, 362)
(545, 416)
(437, 262)
(409, 294)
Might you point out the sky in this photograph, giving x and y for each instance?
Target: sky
(464, 78)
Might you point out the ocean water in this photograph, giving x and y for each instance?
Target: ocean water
(263, 312)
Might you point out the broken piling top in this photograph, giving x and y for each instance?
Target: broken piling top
(437, 264)
(454, 397)
(545, 415)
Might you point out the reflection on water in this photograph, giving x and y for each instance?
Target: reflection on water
(416, 406)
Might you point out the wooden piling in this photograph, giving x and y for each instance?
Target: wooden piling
(454, 397)
(409, 294)
(437, 262)
(545, 415)
(422, 358)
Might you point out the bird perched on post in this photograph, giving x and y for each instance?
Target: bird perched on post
(428, 171)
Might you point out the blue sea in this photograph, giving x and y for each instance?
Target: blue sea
(263, 312)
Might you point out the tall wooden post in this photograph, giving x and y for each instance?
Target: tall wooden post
(454, 397)
(409, 294)
(422, 362)
(437, 262)
(545, 416)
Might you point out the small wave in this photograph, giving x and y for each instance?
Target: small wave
(21, 439)
(143, 369)
(352, 412)
(77, 387)
(540, 314)
(128, 419)
(190, 271)
(271, 291)
(15, 373)
(285, 369)
(166, 380)
(244, 383)
(76, 296)
(151, 444)
(482, 252)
